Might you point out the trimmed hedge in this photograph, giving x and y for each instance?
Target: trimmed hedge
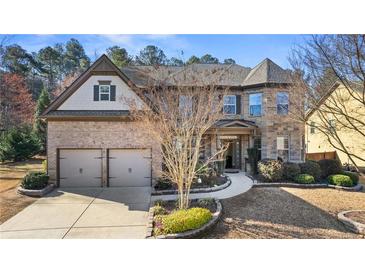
(311, 168)
(290, 170)
(304, 179)
(330, 167)
(270, 170)
(340, 180)
(354, 176)
(183, 220)
(35, 180)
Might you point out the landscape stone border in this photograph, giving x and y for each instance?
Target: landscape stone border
(194, 190)
(358, 187)
(36, 192)
(350, 224)
(187, 234)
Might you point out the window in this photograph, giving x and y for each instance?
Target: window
(302, 147)
(283, 148)
(332, 125)
(282, 103)
(185, 104)
(104, 93)
(255, 104)
(313, 128)
(229, 102)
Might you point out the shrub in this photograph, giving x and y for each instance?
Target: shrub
(18, 144)
(184, 220)
(290, 170)
(206, 202)
(311, 168)
(354, 176)
(304, 179)
(35, 180)
(270, 170)
(330, 167)
(253, 157)
(159, 210)
(201, 169)
(340, 180)
(162, 184)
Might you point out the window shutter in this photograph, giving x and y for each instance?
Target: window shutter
(238, 104)
(220, 97)
(96, 93)
(112, 93)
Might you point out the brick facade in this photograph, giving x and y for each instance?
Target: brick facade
(98, 134)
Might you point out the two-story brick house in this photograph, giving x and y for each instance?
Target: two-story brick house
(92, 141)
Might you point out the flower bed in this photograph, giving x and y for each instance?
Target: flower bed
(35, 184)
(353, 220)
(166, 222)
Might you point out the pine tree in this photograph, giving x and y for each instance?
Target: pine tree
(40, 127)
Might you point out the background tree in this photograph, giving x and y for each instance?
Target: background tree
(229, 61)
(208, 59)
(193, 60)
(176, 62)
(17, 60)
(40, 126)
(50, 60)
(75, 57)
(151, 56)
(326, 59)
(119, 56)
(17, 106)
(178, 118)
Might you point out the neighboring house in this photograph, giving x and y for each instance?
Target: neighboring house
(92, 141)
(320, 142)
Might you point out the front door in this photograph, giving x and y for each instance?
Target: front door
(233, 154)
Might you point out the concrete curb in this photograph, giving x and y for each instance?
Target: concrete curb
(194, 190)
(358, 187)
(350, 224)
(36, 192)
(190, 233)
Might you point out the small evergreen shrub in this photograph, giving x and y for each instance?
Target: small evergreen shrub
(311, 168)
(304, 179)
(159, 210)
(35, 180)
(354, 176)
(182, 220)
(18, 144)
(206, 202)
(330, 167)
(340, 180)
(270, 170)
(162, 184)
(290, 170)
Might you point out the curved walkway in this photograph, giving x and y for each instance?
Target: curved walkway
(240, 184)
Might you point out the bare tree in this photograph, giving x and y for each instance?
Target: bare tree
(178, 116)
(332, 70)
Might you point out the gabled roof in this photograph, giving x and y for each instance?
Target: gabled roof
(102, 66)
(227, 123)
(267, 72)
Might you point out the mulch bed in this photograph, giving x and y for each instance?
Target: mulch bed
(171, 205)
(215, 181)
(357, 216)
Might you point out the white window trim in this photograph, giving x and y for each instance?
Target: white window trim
(235, 104)
(103, 92)
(249, 105)
(277, 105)
(285, 149)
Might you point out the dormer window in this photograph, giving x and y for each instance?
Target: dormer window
(104, 92)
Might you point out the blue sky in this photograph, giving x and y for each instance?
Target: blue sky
(247, 50)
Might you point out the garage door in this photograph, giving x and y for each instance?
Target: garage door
(129, 167)
(80, 167)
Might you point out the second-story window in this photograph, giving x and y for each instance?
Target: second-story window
(255, 101)
(104, 92)
(313, 127)
(185, 104)
(282, 103)
(332, 125)
(229, 102)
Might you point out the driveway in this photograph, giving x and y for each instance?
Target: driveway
(91, 213)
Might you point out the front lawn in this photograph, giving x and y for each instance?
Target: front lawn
(10, 177)
(287, 213)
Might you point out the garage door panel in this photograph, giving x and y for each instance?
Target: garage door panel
(80, 168)
(129, 167)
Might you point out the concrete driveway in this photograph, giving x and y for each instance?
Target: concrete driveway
(83, 213)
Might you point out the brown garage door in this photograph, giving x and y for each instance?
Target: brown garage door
(80, 167)
(129, 167)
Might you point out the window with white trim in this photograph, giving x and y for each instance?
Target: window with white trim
(313, 127)
(282, 103)
(229, 104)
(283, 148)
(255, 101)
(104, 92)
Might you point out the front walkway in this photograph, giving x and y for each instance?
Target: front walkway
(240, 184)
(83, 213)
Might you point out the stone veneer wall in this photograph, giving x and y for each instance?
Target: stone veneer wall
(98, 134)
